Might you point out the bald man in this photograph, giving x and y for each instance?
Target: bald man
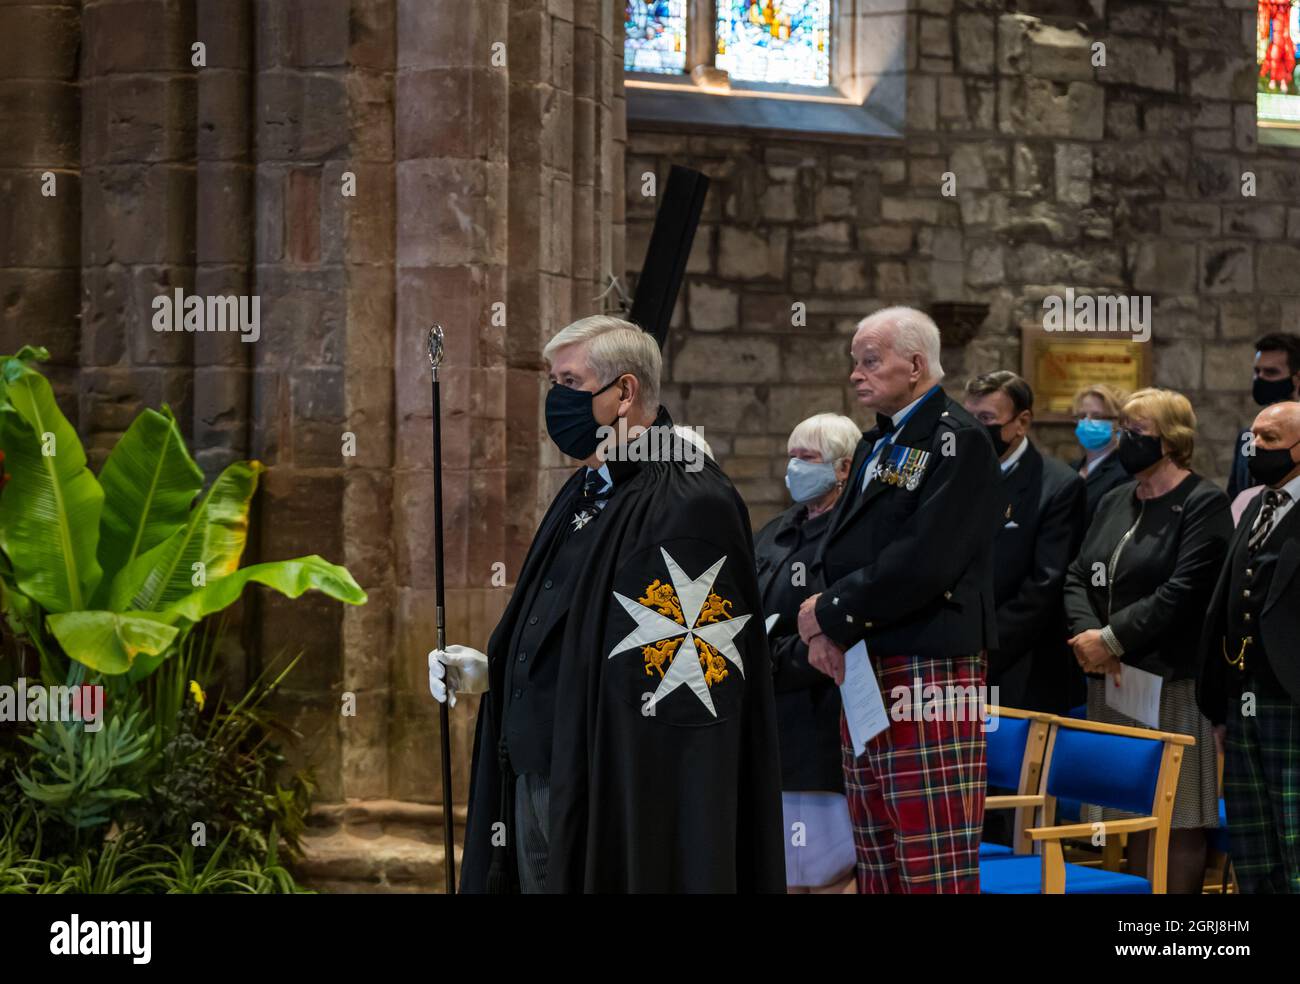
(1250, 664)
(906, 566)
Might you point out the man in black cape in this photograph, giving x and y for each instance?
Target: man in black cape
(627, 738)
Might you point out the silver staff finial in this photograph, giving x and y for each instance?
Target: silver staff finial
(435, 346)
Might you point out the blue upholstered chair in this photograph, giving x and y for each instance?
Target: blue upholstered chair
(1068, 810)
(1128, 769)
(1016, 743)
(1218, 838)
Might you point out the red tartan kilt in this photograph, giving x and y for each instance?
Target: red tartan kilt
(916, 795)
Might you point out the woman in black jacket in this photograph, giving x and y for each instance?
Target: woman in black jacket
(819, 853)
(1136, 596)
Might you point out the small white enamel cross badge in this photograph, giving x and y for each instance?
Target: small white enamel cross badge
(581, 519)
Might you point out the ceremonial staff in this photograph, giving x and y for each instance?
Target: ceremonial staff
(448, 821)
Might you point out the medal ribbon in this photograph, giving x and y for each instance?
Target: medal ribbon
(888, 440)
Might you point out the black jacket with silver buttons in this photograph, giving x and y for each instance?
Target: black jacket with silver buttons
(910, 569)
(1272, 576)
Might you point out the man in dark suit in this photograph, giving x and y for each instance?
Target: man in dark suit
(1039, 530)
(1250, 664)
(1276, 378)
(906, 567)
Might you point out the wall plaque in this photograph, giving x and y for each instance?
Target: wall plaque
(1057, 364)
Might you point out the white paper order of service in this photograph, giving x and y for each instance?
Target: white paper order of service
(864, 708)
(1137, 696)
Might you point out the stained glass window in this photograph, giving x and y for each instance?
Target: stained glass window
(775, 40)
(1278, 83)
(655, 36)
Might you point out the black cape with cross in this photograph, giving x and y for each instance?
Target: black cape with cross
(664, 767)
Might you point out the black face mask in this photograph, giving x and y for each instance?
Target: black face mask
(1270, 466)
(1138, 452)
(1269, 391)
(1000, 444)
(570, 420)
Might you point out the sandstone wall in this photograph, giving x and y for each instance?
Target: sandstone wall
(1117, 179)
(484, 142)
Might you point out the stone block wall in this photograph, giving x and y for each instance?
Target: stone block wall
(40, 184)
(364, 168)
(1118, 178)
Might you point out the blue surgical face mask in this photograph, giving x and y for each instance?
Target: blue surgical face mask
(809, 480)
(1093, 434)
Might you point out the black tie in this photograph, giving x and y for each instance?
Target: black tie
(1272, 499)
(884, 424)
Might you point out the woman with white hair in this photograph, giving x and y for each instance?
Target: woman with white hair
(819, 852)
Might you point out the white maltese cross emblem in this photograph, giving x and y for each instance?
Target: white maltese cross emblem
(652, 627)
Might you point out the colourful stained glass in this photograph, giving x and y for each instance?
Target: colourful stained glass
(775, 40)
(1279, 81)
(654, 36)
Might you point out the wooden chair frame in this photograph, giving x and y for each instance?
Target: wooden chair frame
(1162, 807)
(1027, 799)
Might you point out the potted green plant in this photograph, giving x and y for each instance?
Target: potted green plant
(113, 571)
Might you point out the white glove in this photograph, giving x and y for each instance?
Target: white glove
(456, 670)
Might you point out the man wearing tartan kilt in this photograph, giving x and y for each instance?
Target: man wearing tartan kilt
(906, 565)
(1250, 666)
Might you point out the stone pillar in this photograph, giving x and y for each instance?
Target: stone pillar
(367, 250)
(224, 226)
(138, 217)
(322, 369)
(218, 425)
(509, 158)
(454, 62)
(40, 186)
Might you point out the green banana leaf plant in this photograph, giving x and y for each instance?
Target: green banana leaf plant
(117, 569)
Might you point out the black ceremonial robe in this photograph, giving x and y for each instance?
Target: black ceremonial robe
(665, 774)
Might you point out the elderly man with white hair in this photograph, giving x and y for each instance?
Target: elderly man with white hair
(626, 741)
(906, 567)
